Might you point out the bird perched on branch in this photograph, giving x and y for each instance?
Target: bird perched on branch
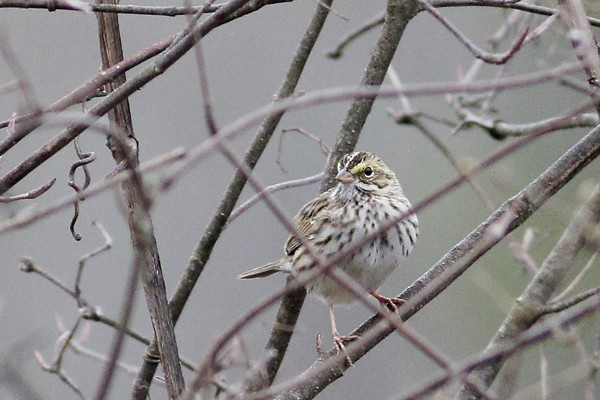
(365, 215)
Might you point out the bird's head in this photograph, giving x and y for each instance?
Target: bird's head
(366, 172)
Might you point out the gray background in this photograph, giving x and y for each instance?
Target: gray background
(246, 61)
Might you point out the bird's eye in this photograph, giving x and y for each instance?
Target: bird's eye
(368, 172)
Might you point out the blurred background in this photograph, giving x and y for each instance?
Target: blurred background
(246, 61)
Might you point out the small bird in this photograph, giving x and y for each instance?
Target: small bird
(366, 198)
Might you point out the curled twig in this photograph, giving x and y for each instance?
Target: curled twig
(84, 159)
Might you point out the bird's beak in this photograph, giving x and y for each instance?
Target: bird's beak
(345, 177)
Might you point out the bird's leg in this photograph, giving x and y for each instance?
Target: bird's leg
(391, 304)
(338, 339)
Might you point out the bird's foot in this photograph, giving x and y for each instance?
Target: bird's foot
(340, 343)
(391, 304)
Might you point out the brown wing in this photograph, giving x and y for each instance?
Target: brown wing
(306, 219)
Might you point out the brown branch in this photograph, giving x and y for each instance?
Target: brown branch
(558, 306)
(56, 367)
(545, 331)
(291, 305)
(237, 127)
(86, 309)
(398, 15)
(53, 5)
(582, 38)
(495, 225)
(367, 26)
(512, 4)
(272, 189)
(147, 261)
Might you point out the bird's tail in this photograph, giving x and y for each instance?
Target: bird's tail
(281, 265)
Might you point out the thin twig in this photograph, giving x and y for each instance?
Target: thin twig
(56, 366)
(32, 194)
(324, 148)
(23, 81)
(478, 53)
(272, 189)
(559, 306)
(356, 33)
(53, 5)
(238, 126)
(83, 260)
(575, 281)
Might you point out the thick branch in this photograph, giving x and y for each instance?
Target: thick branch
(147, 260)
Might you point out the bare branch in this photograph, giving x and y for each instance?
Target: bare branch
(478, 53)
(30, 102)
(367, 26)
(272, 189)
(324, 148)
(529, 307)
(237, 127)
(56, 366)
(558, 306)
(71, 5)
(175, 51)
(582, 38)
(512, 4)
(40, 190)
(29, 216)
(83, 260)
(28, 122)
(575, 281)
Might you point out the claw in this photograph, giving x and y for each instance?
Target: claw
(340, 344)
(391, 304)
